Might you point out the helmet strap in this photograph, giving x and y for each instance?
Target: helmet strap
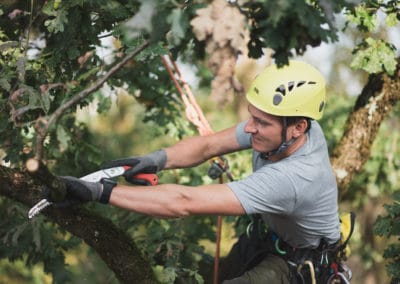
(283, 146)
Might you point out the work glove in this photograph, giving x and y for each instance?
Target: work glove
(148, 164)
(79, 191)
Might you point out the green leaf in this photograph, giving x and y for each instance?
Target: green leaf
(63, 137)
(89, 73)
(18, 230)
(36, 238)
(382, 226)
(152, 52)
(5, 84)
(396, 197)
(178, 26)
(199, 278)
(393, 269)
(396, 227)
(104, 103)
(364, 18)
(392, 251)
(375, 56)
(34, 97)
(56, 24)
(164, 275)
(391, 20)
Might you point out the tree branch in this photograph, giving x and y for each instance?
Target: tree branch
(40, 172)
(114, 245)
(373, 105)
(41, 134)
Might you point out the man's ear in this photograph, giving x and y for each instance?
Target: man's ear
(299, 128)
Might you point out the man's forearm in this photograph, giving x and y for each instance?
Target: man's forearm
(172, 200)
(196, 150)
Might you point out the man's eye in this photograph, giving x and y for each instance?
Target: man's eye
(260, 122)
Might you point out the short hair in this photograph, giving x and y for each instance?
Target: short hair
(291, 120)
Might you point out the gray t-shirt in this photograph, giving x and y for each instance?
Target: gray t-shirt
(297, 196)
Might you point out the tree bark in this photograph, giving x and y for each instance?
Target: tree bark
(373, 105)
(113, 245)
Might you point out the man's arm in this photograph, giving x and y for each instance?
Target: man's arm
(186, 153)
(172, 200)
(196, 150)
(168, 200)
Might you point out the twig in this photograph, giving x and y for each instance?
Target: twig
(80, 96)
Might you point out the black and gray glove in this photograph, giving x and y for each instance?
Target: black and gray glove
(79, 191)
(148, 164)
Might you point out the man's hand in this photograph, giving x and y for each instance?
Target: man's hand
(79, 191)
(151, 163)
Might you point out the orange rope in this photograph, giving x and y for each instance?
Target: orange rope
(206, 128)
(195, 115)
(192, 110)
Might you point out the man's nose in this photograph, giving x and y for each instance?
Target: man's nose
(250, 126)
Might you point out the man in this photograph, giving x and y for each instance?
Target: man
(292, 188)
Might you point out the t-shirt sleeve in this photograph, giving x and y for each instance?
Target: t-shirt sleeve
(243, 138)
(265, 191)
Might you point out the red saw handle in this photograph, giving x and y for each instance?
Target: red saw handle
(142, 178)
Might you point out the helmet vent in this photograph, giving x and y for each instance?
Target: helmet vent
(277, 99)
(321, 106)
(290, 86)
(281, 89)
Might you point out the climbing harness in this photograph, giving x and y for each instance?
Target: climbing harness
(324, 264)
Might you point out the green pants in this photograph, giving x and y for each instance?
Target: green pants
(271, 270)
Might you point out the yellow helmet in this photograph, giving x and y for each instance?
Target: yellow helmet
(297, 89)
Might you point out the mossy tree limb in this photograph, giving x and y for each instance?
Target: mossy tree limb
(372, 107)
(113, 245)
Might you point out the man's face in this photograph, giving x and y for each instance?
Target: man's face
(265, 129)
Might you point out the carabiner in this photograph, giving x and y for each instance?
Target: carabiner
(278, 249)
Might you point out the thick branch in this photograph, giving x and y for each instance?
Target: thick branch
(41, 135)
(373, 105)
(40, 172)
(113, 245)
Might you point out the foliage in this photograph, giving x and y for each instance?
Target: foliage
(374, 55)
(34, 242)
(381, 173)
(52, 51)
(290, 24)
(389, 226)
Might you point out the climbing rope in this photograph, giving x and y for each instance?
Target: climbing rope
(192, 110)
(195, 115)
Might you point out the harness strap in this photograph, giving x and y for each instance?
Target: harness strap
(306, 265)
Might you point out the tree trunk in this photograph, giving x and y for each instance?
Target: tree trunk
(113, 245)
(373, 105)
